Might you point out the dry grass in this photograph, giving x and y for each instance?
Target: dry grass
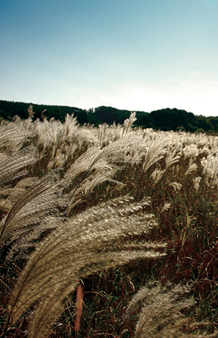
(79, 201)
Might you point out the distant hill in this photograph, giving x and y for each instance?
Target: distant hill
(163, 119)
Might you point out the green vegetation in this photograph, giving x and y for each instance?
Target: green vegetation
(107, 231)
(165, 119)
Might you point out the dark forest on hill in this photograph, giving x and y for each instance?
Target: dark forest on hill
(163, 119)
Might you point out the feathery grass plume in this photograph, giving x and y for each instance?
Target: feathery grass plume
(42, 130)
(65, 151)
(62, 140)
(43, 116)
(24, 241)
(58, 161)
(11, 195)
(107, 235)
(92, 158)
(56, 138)
(49, 136)
(171, 158)
(154, 152)
(210, 170)
(160, 305)
(70, 126)
(103, 134)
(13, 163)
(196, 182)
(87, 162)
(186, 328)
(137, 151)
(192, 167)
(128, 123)
(20, 188)
(99, 160)
(121, 151)
(13, 135)
(108, 134)
(75, 134)
(191, 150)
(96, 178)
(157, 175)
(30, 111)
(36, 203)
(166, 207)
(3, 156)
(176, 185)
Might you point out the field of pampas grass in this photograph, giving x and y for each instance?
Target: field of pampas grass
(108, 231)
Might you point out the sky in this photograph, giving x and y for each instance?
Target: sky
(129, 54)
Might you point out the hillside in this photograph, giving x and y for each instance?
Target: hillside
(163, 119)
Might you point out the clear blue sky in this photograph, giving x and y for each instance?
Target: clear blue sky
(129, 54)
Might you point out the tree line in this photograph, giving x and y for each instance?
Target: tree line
(164, 119)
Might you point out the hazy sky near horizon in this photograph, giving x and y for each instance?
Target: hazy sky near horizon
(129, 54)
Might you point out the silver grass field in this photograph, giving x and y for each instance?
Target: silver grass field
(108, 231)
